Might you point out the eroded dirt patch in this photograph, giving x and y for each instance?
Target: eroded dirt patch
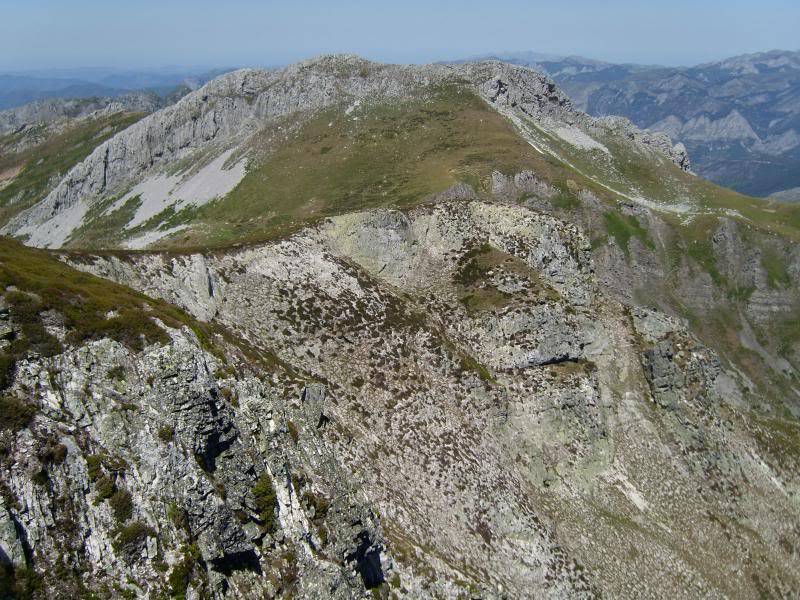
(10, 173)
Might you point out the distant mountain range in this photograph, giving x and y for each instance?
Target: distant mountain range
(739, 117)
(19, 88)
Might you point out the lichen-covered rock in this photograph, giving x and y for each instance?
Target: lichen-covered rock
(135, 466)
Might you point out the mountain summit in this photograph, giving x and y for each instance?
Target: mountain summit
(217, 140)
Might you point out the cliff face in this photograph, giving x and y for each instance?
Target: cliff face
(167, 464)
(153, 472)
(59, 112)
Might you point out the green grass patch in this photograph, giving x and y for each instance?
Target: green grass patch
(702, 252)
(625, 227)
(779, 438)
(183, 572)
(395, 154)
(741, 294)
(476, 272)
(787, 334)
(565, 201)
(266, 503)
(15, 414)
(130, 539)
(92, 308)
(103, 227)
(653, 177)
(777, 274)
(468, 363)
(121, 503)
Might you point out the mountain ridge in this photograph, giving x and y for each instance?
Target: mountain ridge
(111, 165)
(737, 116)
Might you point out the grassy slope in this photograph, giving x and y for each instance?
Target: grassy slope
(43, 164)
(394, 154)
(653, 177)
(400, 153)
(692, 212)
(34, 281)
(686, 247)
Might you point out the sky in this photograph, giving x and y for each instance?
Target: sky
(40, 34)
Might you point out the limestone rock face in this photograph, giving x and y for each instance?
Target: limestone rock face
(160, 453)
(466, 412)
(655, 138)
(487, 394)
(52, 111)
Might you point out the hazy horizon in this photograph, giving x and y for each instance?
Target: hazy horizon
(150, 35)
(66, 71)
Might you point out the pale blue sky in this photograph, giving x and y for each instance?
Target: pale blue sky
(148, 33)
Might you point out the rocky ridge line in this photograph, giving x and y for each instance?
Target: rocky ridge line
(234, 105)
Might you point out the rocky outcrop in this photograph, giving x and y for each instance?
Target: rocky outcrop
(51, 112)
(509, 425)
(520, 185)
(654, 138)
(136, 465)
(462, 398)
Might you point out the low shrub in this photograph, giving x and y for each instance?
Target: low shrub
(94, 466)
(19, 582)
(91, 308)
(117, 373)
(266, 502)
(7, 366)
(293, 432)
(15, 414)
(105, 488)
(41, 477)
(130, 539)
(166, 433)
(122, 504)
(181, 574)
(320, 504)
(54, 454)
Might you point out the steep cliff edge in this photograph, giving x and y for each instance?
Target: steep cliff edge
(145, 455)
